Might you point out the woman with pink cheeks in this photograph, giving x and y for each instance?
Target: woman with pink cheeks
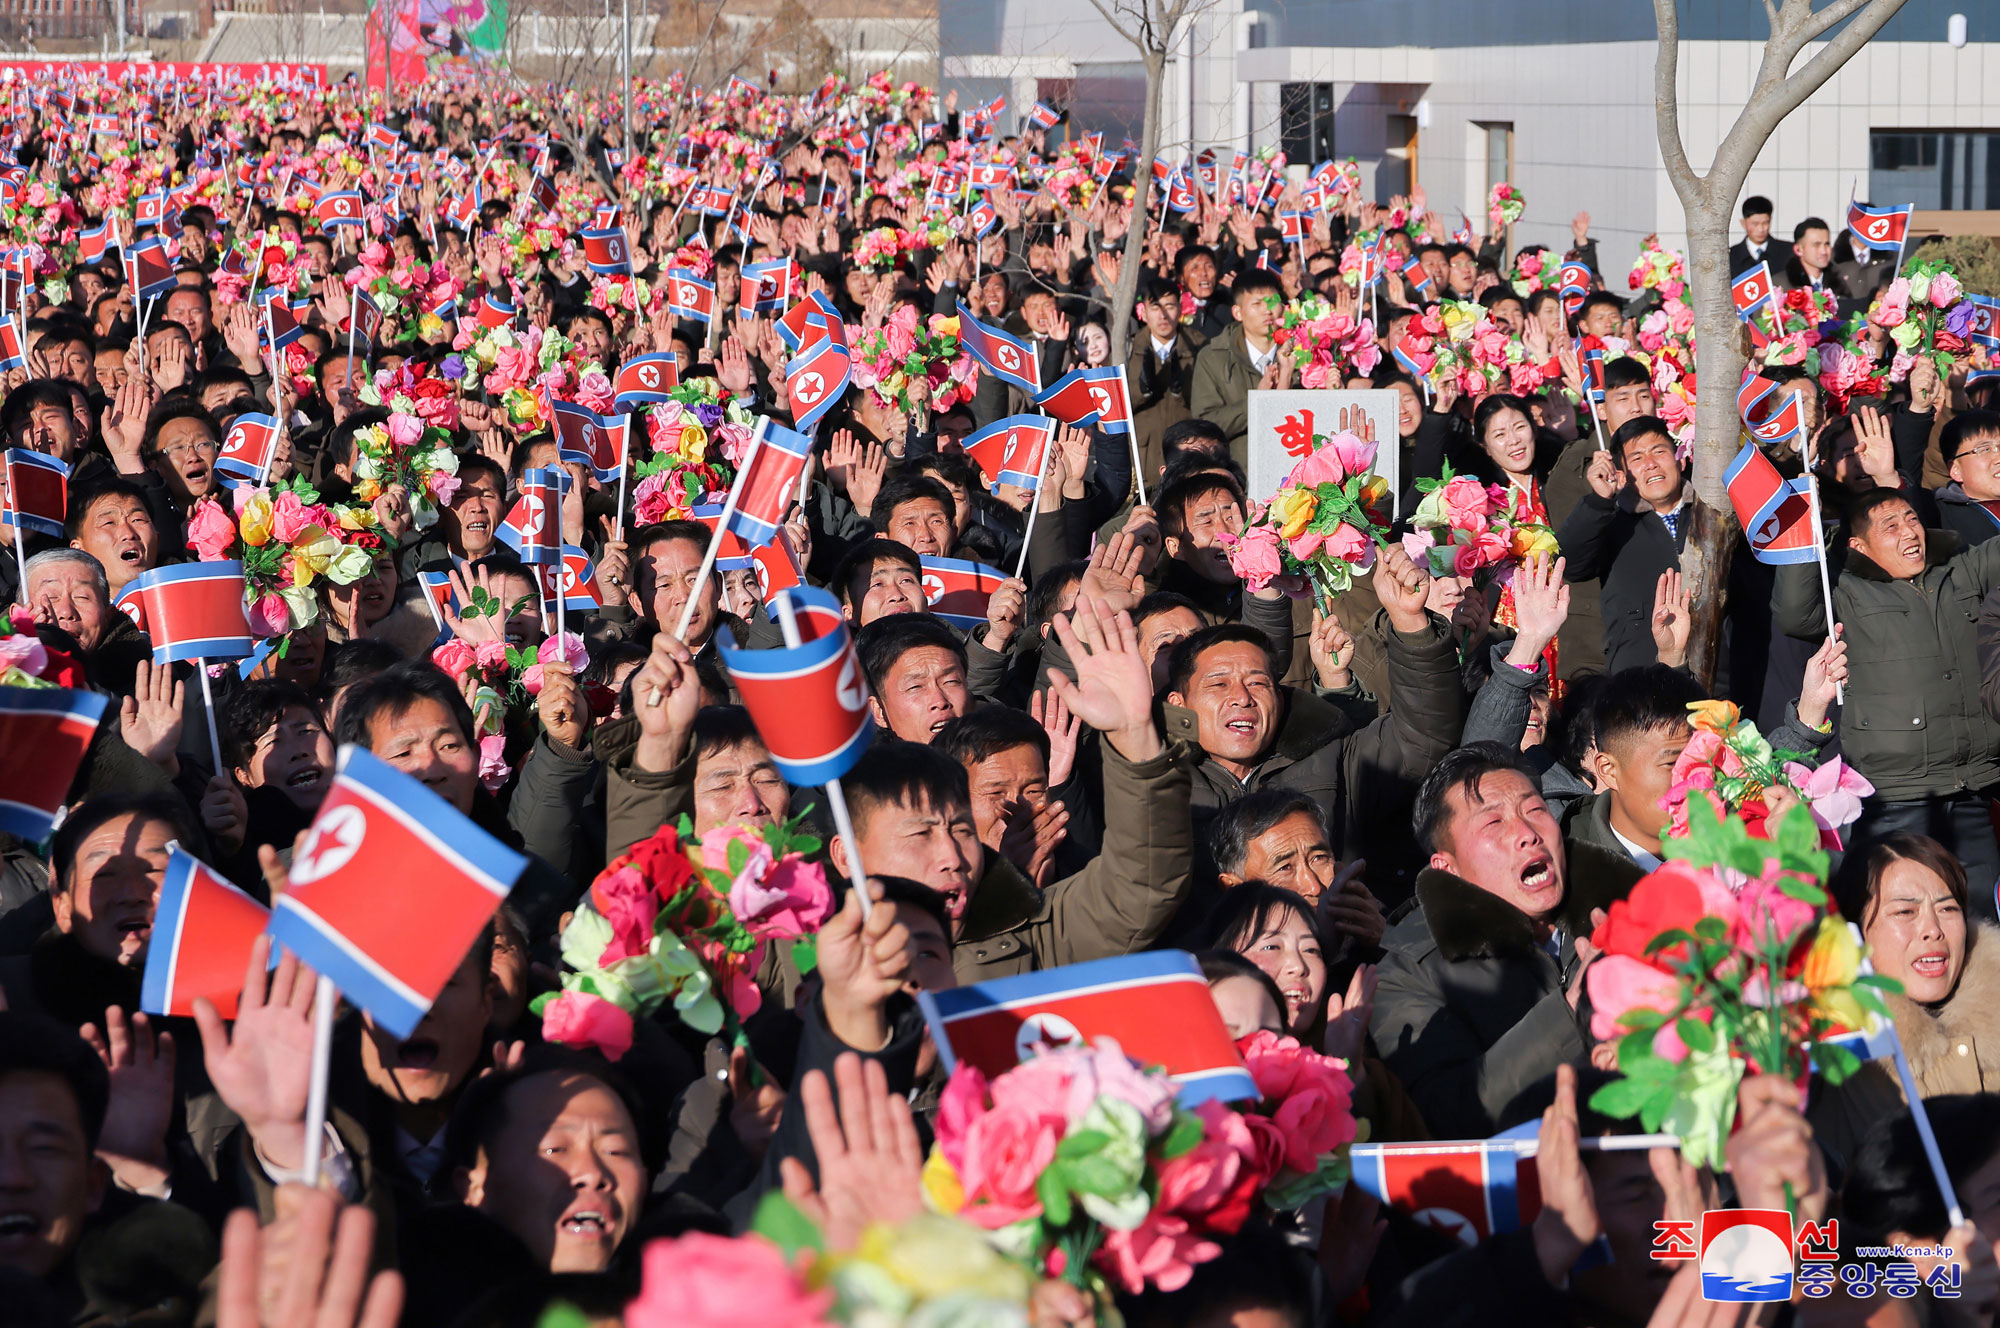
(1908, 895)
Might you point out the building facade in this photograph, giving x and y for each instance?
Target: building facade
(1555, 96)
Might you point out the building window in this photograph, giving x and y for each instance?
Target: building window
(1305, 122)
(1947, 169)
(1499, 155)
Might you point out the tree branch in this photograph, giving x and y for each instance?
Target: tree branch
(1666, 95)
(1110, 16)
(1828, 17)
(1815, 72)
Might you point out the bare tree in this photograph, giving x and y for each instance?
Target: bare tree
(1150, 25)
(1709, 202)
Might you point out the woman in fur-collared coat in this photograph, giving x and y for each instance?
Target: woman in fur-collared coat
(1909, 895)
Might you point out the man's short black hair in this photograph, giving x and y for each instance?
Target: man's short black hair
(952, 468)
(1187, 651)
(349, 662)
(1044, 599)
(1594, 299)
(1967, 427)
(907, 488)
(18, 409)
(1163, 601)
(1862, 508)
(35, 1043)
(1239, 823)
(983, 733)
(1632, 430)
(1642, 700)
(881, 643)
(1252, 281)
(1756, 205)
(1809, 224)
(96, 812)
(174, 408)
(482, 1108)
(1192, 435)
(904, 773)
(719, 728)
(1626, 371)
(393, 692)
(903, 890)
(852, 573)
(1187, 254)
(1177, 493)
(252, 710)
(81, 503)
(1462, 767)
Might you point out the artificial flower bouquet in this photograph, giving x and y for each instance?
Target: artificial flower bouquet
(1731, 767)
(1925, 311)
(685, 921)
(698, 438)
(1802, 317)
(1079, 1162)
(1726, 961)
(25, 661)
(1304, 1118)
(1534, 269)
(916, 365)
(1324, 524)
(406, 450)
(286, 538)
(1324, 346)
(1465, 528)
(1504, 206)
(1659, 269)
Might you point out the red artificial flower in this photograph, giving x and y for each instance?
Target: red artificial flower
(1667, 900)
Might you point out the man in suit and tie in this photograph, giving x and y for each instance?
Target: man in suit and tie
(1757, 246)
(1811, 266)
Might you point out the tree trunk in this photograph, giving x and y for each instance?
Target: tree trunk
(1712, 538)
(1124, 295)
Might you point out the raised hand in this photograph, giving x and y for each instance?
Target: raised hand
(1826, 675)
(666, 695)
(1603, 474)
(1332, 652)
(864, 481)
(1402, 587)
(309, 1270)
(1347, 1018)
(870, 1160)
(1115, 578)
(1003, 614)
(561, 706)
(1063, 728)
(224, 813)
(1030, 837)
(133, 1139)
(149, 720)
(475, 586)
(261, 1064)
(732, 367)
(1673, 620)
(1568, 1222)
(862, 963)
(1541, 606)
(1113, 691)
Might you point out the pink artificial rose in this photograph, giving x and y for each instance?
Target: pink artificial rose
(1464, 500)
(579, 1019)
(1304, 546)
(627, 902)
(493, 767)
(1366, 356)
(531, 680)
(454, 657)
(1895, 304)
(1006, 1151)
(1162, 1251)
(593, 391)
(704, 1281)
(1350, 546)
(1945, 290)
(649, 499)
(210, 531)
(1313, 1094)
(1766, 914)
(734, 440)
(269, 616)
(1619, 984)
(289, 517)
(1682, 315)
(442, 487)
(1267, 1142)
(1322, 466)
(1254, 556)
(405, 430)
(1108, 1072)
(566, 648)
(962, 1102)
(25, 652)
(491, 654)
(1216, 1182)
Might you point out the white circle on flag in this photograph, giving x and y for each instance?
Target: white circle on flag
(130, 608)
(688, 295)
(763, 579)
(1878, 228)
(1009, 358)
(809, 388)
(1045, 1027)
(933, 589)
(331, 843)
(1101, 399)
(850, 691)
(532, 515)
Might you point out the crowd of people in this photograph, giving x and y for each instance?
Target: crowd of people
(1388, 822)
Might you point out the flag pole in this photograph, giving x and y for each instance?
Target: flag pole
(624, 469)
(1035, 504)
(843, 824)
(1825, 580)
(325, 999)
(200, 668)
(1132, 436)
(721, 524)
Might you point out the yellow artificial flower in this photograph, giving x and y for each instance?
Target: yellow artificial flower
(694, 442)
(1460, 319)
(1835, 957)
(1718, 717)
(935, 1256)
(367, 490)
(1293, 510)
(253, 523)
(349, 565)
(312, 553)
(948, 326)
(1373, 490)
(1531, 540)
(942, 1189)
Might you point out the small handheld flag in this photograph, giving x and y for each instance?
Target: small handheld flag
(1573, 281)
(958, 591)
(1750, 290)
(607, 251)
(148, 271)
(1469, 1189)
(203, 928)
(1880, 228)
(689, 296)
(37, 496)
(1009, 451)
(767, 492)
(491, 311)
(1010, 360)
(645, 380)
(246, 452)
(1771, 416)
(816, 380)
(56, 724)
(350, 913)
(1775, 514)
(1087, 397)
(342, 208)
(1155, 1005)
(574, 581)
(533, 527)
(809, 701)
(192, 611)
(597, 441)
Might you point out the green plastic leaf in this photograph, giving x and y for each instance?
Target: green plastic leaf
(562, 1314)
(1183, 1136)
(1697, 1035)
(805, 953)
(780, 1221)
(1081, 1144)
(1621, 1098)
(1054, 1196)
(1835, 1062)
(738, 857)
(1637, 1021)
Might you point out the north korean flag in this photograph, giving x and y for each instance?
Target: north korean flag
(192, 611)
(1775, 513)
(645, 380)
(203, 928)
(364, 315)
(991, 175)
(11, 354)
(1751, 290)
(439, 595)
(689, 296)
(1155, 1005)
(1010, 360)
(816, 380)
(957, 591)
(445, 310)
(342, 208)
(492, 311)
(1043, 116)
(1985, 329)
(533, 528)
(1009, 451)
(1416, 277)
(777, 565)
(1180, 194)
(809, 320)
(463, 210)
(1469, 1190)
(245, 174)
(383, 139)
(1770, 415)
(985, 218)
(769, 287)
(1573, 285)
(92, 241)
(279, 326)
(608, 216)
(714, 201)
(148, 269)
(1879, 228)
(149, 209)
(769, 485)
(349, 911)
(1086, 397)
(1593, 363)
(597, 441)
(607, 251)
(810, 702)
(246, 451)
(56, 724)
(1293, 226)
(574, 580)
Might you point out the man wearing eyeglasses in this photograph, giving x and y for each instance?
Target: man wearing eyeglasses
(1969, 506)
(181, 446)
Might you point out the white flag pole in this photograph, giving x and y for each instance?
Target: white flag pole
(1819, 557)
(325, 999)
(1035, 504)
(843, 824)
(1132, 435)
(721, 524)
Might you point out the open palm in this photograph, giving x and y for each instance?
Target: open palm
(262, 1063)
(1113, 691)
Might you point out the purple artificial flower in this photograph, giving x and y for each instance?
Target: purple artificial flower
(453, 367)
(709, 414)
(1958, 321)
